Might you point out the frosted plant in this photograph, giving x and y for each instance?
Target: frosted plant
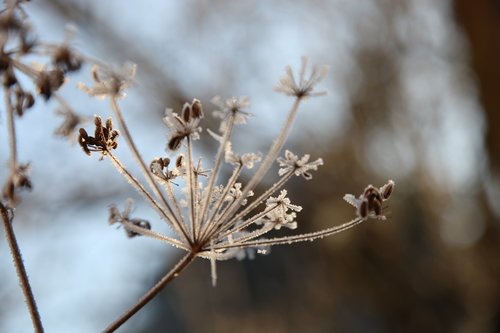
(215, 218)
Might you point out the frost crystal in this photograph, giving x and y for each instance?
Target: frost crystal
(300, 167)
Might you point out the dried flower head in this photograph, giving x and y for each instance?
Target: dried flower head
(187, 124)
(303, 87)
(49, 81)
(231, 107)
(104, 139)
(300, 167)
(110, 82)
(71, 121)
(18, 180)
(63, 56)
(369, 203)
(123, 218)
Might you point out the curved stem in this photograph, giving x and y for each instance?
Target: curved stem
(21, 270)
(173, 273)
(135, 152)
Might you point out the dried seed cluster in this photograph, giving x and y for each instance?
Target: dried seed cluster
(369, 203)
(214, 218)
(18, 42)
(103, 141)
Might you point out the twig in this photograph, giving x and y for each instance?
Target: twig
(21, 270)
(173, 273)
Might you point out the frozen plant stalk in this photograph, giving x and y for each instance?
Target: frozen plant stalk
(213, 218)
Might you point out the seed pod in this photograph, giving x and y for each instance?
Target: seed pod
(363, 209)
(175, 142)
(179, 161)
(197, 109)
(186, 112)
(387, 189)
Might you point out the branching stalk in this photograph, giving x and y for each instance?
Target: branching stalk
(138, 186)
(270, 157)
(135, 152)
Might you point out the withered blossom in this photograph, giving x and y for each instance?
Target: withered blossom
(187, 124)
(160, 168)
(369, 203)
(103, 141)
(231, 107)
(304, 87)
(299, 166)
(123, 218)
(18, 180)
(63, 56)
(23, 100)
(71, 121)
(110, 82)
(49, 81)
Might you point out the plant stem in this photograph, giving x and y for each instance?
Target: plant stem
(192, 189)
(173, 273)
(12, 130)
(135, 152)
(138, 186)
(21, 270)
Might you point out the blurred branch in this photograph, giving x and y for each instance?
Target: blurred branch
(20, 269)
(81, 14)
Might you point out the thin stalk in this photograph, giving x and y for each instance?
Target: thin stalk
(211, 224)
(12, 130)
(155, 235)
(138, 186)
(170, 193)
(215, 169)
(247, 223)
(275, 148)
(254, 234)
(192, 189)
(135, 152)
(21, 270)
(173, 273)
(294, 239)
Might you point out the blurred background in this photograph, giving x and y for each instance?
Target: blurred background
(413, 89)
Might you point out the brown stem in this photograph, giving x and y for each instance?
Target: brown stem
(173, 273)
(12, 130)
(21, 270)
